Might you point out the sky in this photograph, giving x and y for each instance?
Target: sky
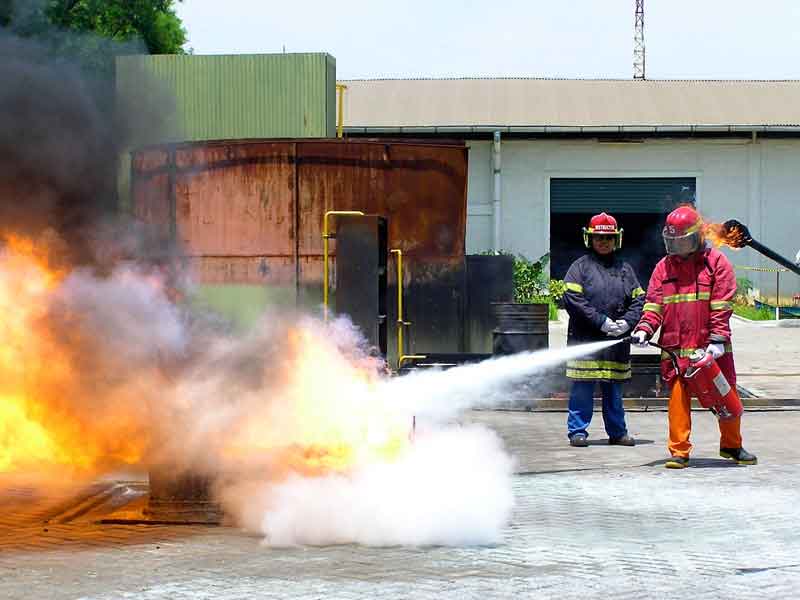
(685, 39)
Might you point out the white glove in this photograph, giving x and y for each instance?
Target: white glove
(609, 327)
(716, 349)
(640, 338)
(622, 326)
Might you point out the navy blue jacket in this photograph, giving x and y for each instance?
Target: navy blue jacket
(596, 289)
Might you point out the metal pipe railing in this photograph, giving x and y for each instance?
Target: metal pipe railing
(326, 235)
(777, 283)
(401, 322)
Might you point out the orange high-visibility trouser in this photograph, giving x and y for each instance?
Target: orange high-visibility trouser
(680, 424)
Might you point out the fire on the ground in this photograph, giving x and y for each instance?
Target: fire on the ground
(60, 411)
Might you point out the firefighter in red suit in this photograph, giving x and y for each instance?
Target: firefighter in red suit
(689, 298)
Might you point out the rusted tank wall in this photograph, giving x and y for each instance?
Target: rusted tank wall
(251, 212)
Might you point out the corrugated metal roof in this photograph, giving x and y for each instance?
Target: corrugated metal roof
(553, 105)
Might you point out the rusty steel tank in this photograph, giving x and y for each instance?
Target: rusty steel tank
(247, 217)
(249, 214)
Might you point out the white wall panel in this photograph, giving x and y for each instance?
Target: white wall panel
(758, 184)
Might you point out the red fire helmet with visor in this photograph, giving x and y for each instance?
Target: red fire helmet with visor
(603, 224)
(683, 231)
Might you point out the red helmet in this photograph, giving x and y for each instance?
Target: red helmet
(683, 232)
(603, 224)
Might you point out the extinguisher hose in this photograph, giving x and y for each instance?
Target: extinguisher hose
(672, 356)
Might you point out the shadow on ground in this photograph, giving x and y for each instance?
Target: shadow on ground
(604, 442)
(699, 463)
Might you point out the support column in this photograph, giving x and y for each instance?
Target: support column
(497, 215)
(755, 203)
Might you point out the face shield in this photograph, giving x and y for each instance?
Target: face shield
(681, 245)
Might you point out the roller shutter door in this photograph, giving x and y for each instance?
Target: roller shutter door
(619, 195)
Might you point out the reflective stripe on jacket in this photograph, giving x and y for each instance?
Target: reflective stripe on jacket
(691, 301)
(596, 290)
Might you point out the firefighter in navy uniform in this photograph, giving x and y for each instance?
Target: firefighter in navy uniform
(689, 298)
(604, 300)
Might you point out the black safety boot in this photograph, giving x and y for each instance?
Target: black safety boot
(677, 462)
(579, 440)
(738, 455)
(625, 440)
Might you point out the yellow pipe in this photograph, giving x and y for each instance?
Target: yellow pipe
(326, 235)
(409, 357)
(401, 323)
(340, 88)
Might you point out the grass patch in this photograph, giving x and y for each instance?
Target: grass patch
(753, 313)
(553, 312)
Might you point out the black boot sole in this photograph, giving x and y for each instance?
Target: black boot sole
(737, 461)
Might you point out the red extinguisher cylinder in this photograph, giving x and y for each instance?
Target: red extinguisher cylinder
(708, 384)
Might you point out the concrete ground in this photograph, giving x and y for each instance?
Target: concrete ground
(596, 522)
(767, 355)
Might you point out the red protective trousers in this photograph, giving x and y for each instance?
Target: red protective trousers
(680, 423)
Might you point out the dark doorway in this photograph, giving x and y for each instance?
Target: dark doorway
(639, 205)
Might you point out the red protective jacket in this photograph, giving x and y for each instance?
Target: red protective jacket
(690, 299)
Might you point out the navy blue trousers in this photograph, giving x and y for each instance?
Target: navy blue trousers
(581, 405)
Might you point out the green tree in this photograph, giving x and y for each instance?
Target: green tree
(152, 22)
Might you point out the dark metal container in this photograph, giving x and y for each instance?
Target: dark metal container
(181, 498)
(489, 280)
(520, 327)
(361, 276)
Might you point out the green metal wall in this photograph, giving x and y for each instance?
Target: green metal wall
(239, 96)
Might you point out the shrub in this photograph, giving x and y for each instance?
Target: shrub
(530, 280)
(557, 288)
(532, 285)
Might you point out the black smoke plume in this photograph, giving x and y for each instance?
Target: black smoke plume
(61, 137)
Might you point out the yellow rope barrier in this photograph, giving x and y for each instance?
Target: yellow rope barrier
(762, 269)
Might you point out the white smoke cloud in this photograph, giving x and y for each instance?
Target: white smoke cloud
(452, 487)
(127, 313)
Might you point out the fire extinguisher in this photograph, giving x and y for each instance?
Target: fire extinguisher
(706, 382)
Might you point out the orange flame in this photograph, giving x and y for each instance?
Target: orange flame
(38, 428)
(725, 235)
(330, 417)
(327, 417)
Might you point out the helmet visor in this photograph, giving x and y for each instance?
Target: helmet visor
(681, 244)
